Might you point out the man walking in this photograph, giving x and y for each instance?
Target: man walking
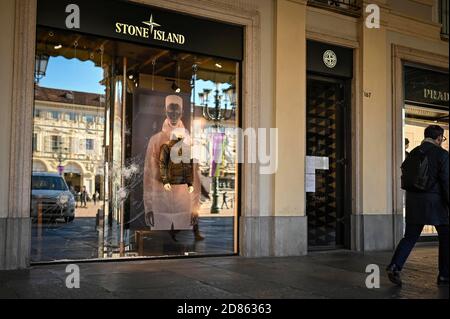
(96, 197)
(225, 200)
(84, 196)
(406, 147)
(427, 201)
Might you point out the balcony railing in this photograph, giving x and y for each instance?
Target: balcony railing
(443, 17)
(348, 7)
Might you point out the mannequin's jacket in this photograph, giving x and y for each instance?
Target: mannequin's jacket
(175, 171)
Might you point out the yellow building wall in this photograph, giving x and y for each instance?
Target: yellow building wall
(375, 127)
(290, 102)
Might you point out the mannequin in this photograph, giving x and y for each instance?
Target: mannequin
(170, 206)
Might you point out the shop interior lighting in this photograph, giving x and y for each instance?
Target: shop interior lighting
(176, 88)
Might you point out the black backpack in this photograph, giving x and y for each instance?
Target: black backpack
(416, 172)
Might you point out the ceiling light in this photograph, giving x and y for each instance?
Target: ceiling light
(176, 88)
(58, 47)
(219, 65)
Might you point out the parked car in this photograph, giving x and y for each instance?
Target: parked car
(51, 191)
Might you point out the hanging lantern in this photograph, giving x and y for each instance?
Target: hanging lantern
(41, 66)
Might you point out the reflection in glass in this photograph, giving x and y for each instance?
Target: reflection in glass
(108, 116)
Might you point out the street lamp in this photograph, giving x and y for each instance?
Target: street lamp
(224, 109)
(61, 157)
(40, 68)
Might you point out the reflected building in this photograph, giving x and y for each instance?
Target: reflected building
(69, 136)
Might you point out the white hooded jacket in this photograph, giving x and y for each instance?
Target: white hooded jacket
(174, 209)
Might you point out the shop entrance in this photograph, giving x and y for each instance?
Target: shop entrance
(426, 103)
(73, 181)
(328, 129)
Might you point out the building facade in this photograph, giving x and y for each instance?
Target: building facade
(69, 137)
(334, 88)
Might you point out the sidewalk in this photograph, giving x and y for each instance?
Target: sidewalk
(339, 274)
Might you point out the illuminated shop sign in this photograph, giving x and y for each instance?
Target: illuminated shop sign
(151, 31)
(426, 87)
(124, 20)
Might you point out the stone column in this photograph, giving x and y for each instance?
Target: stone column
(15, 226)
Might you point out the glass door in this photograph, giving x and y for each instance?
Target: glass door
(416, 120)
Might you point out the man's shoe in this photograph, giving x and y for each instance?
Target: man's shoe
(442, 281)
(394, 275)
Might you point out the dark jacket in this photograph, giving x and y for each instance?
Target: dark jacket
(174, 173)
(431, 207)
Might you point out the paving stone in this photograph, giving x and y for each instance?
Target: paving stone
(334, 275)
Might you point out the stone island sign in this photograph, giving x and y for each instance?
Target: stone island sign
(150, 31)
(142, 24)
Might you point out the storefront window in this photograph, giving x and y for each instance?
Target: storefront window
(427, 100)
(156, 175)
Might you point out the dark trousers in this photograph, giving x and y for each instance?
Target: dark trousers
(412, 235)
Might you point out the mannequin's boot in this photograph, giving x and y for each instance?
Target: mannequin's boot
(173, 234)
(198, 236)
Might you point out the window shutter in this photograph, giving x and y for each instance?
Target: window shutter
(66, 144)
(38, 142)
(48, 144)
(82, 146)
(75, 145)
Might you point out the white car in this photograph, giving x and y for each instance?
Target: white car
(50, 195)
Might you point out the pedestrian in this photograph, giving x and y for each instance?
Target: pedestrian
(225, 200)
(406, 147)
(425, 179)
(78, 199)
(74, 194)
(96, 197)
(84, 196)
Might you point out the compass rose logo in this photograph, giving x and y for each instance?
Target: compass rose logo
(330, 59)
(152, 24)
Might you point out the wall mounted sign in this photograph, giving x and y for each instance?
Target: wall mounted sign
(330, 60)
(127, 21)
(426, 88)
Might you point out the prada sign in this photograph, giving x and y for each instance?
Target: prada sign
(128, 21)
(426, 87)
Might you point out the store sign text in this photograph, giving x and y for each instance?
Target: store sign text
(436, 95)
(150, 32)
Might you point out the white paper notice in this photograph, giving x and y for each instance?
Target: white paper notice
(310, 165)
(310, 183)
(314, 163)
(322, 163)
